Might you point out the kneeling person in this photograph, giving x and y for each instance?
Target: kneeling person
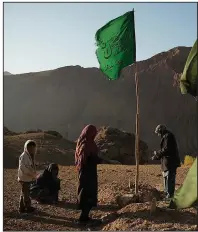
(47, 185)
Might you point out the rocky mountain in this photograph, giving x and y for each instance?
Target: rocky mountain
(68, 98)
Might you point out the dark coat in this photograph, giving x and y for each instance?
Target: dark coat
(88, 183)
(168, 154)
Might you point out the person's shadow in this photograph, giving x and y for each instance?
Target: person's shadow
(45, 218)
(73, 206)
(163, 215)
(66, 205)
(107, 208)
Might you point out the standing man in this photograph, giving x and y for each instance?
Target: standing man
(170, 160)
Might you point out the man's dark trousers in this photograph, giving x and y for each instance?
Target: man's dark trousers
(169, 182)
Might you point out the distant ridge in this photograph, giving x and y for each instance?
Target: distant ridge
(68, 98)
(7, 73)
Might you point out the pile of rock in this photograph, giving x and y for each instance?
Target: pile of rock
(119, 146)
(145, 194)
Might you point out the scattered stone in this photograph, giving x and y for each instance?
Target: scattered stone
(145, 194)
(126, 199)
(109, 217)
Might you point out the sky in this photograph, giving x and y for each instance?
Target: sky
(44, 36)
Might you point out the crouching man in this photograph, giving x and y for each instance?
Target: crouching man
(26, 175)
(170, 160)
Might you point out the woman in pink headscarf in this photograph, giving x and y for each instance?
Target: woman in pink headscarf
(86, 160)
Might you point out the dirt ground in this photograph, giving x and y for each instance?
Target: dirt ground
(113, 180)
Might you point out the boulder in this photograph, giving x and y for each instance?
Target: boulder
(119, 145)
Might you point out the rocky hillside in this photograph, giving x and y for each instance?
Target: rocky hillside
(114, 145)
(68, 98)
(51, 149)
(7, 132)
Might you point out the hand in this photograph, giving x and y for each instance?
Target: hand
(155, 153)
(153, 158)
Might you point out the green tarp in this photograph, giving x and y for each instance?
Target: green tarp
(188, 80)
(186, 195)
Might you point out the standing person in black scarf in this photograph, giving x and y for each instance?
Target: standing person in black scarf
(47, 185)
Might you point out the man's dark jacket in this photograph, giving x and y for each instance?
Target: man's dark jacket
(168, 154)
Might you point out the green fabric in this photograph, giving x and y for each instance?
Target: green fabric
(188, 81)
(186, 195)
(116, 46)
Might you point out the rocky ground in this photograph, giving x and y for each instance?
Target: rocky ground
(113, 181)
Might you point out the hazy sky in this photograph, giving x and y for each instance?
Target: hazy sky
(42, 36)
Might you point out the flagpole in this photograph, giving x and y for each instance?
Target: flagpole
(137, 131)
(137, 156)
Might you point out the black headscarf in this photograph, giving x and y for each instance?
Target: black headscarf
(47, 178)
(52, 167)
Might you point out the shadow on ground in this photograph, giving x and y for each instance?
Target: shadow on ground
(162, 215)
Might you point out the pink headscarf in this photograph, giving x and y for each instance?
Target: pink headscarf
(86, 145)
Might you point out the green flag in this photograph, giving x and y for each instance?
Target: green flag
(188, 81)
(187, 194)
(116, 47)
